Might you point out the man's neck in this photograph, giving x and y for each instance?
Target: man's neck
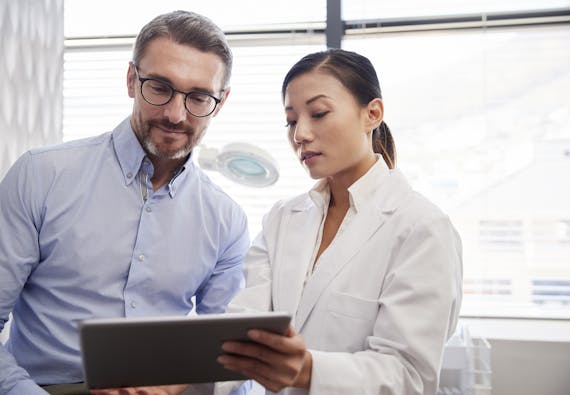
(164, 170)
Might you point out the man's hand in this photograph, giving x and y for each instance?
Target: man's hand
(159, 390)
(275, 361)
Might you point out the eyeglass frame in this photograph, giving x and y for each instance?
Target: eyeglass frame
(142, 80)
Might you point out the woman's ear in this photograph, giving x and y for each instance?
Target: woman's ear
(374, 114)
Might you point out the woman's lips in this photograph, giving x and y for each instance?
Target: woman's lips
(309, 157)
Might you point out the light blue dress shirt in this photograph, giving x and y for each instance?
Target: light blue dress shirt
(83, 235)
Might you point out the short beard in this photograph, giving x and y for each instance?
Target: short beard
(151, 148)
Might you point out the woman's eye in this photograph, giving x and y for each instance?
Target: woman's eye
(320, 114)
(290, 124)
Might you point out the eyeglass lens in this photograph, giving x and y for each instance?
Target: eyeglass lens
(158, 93)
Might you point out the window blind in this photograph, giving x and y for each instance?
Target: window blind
(480, 121)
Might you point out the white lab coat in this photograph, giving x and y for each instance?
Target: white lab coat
(384, 297)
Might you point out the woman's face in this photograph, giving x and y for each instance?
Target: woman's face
(328, 129)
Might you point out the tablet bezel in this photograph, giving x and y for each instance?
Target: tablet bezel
(128, 352)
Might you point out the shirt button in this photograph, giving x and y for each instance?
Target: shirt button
(133, 304)
(148, 209)
(129, 175)
(141, 257)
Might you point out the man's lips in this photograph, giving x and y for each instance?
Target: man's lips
(171, 130)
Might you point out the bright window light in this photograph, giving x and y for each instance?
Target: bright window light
(480, 118)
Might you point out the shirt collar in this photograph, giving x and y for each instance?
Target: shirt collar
(131, 156)
(360, 192)
(128, 150)
(365, 188)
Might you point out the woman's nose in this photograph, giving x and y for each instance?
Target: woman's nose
(301, 133)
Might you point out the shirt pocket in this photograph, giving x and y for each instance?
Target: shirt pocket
(349, 321)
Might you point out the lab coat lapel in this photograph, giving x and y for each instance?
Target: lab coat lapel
(336, 256)
(346, 245)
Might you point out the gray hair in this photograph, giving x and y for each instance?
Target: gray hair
(187, 28)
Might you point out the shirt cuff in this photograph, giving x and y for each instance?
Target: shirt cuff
(232, 387)
(28, 387)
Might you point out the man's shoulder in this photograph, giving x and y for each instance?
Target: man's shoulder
(67, 148)
(213, 190)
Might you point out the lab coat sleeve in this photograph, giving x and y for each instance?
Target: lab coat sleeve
(257, 270)
(255, 297)
(419, 305)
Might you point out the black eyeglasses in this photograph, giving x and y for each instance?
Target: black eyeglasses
(159, 93)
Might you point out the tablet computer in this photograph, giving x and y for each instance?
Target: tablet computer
(127, 352)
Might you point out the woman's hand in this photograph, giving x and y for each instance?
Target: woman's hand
(159, 390)
(274, 361)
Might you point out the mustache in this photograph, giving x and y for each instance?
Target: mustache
(169, 125)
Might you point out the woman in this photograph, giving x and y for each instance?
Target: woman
(370, 269)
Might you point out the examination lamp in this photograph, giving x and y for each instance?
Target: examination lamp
(243, 163)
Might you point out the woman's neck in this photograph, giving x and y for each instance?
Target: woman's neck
(339, 195)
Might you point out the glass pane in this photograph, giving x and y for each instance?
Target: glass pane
(481, 126)
(126, 17)
(369, 9)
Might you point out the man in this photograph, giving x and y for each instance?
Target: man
(122, 224)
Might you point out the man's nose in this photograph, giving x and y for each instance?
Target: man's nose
(175, 110)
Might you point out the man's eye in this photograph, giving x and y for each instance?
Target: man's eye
(159, 88)
(199, 98)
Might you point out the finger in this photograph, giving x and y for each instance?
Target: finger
(106, 391)
(288, 344)
(273, 384)
(283, 374)
(252, 350)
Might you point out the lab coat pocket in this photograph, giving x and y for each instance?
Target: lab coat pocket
(350, 320)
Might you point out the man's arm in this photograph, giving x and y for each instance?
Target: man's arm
(227, 277)
(19, 253)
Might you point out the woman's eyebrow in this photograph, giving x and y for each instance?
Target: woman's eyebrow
(309, 101)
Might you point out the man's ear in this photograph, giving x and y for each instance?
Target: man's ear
(374, 114)
(131, 78)
(225, 94)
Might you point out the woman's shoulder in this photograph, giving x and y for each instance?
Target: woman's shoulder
(296, 203)
(411, 203)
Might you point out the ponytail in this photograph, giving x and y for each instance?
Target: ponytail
(383, 143)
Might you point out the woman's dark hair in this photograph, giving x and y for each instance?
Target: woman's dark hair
(357, 74)
(187, 28)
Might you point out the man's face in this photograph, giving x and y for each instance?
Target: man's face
(170, 131)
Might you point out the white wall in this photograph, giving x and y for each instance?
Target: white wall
(528, 357)
(31, 68)
(530, 367)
